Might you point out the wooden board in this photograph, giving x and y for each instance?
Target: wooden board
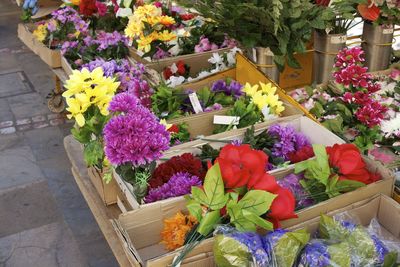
(101, 213)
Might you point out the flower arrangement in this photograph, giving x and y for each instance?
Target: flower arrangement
(65, 24)
(88, 96)
(382, 12)
(349, 107)
(108, 46)
(134, 139)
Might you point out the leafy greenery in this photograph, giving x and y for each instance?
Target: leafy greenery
(285, 26)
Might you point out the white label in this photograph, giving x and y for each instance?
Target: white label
(338, 39)
(226, 120)
(388, 31)
(194, 100)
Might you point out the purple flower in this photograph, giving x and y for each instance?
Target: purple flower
(288, 140)
(160, 54)
(106, 40)
(380, 248)
(234, 88)
(272, 238)
(236, 142)
(348, 225)
(205, 45)
(292, 182)
(135, 137)
(315, 254)
(214, 107)
(51, 26)
(67, 45)
(123, 102)
(255, 244)
(180, 184)
(219, 86)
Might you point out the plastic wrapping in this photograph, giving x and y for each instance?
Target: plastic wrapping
(368, 246)
(279, 248)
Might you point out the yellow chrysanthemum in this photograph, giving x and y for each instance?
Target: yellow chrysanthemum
(84, 89)
(134, 27)
(250, 90)
(166, 36)
(148, 10)
(144, 43)
(40, 32)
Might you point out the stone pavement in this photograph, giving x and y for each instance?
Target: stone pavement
(44, 220)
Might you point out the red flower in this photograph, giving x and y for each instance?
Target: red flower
(87, 7)
(187, 16)
(302, 154)
(240, 164)
(347, 162)
(322, 2)
(283, 206)
(183, 163)
(264, 182)
(101, 8)
(369, 11)
(167, 73)
(173, 129)
(181, 68)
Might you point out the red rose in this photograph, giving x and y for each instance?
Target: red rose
(240, 163)
(87, 7)
(346, 161)
(302, 154)
(264, 182)
(181, 68)
(369, 11)
(173, 129)
(183, 163)
(283, 206)
(167, 73)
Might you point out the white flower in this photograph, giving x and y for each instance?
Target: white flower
(174, 68)
(386, 87)
(182, 32)
(216, 59)
(391, 127)
(124, 12)
(231, 56)
(309, 104)
(266, 113)
(175, 49)
(174, 81)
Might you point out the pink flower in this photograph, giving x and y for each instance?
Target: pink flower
(101, 8)
(395, 74)
(352, 75)
(371, 114)
(349, 56)
(157, 4)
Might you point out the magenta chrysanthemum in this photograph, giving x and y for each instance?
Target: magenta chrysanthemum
(135, 137)
(180, 184)
(349, 56)
(123, 102)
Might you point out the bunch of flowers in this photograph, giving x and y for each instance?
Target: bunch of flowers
(176, 69)
(149, 29)
(349, 107)
(107, 46)
(179, 132)
(65, 24)
(130, 77)
(380, 12)
(88, 95)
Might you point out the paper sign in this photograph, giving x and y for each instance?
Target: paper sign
(226, 120)
(388, 31)
(338, 39)
(194, 100)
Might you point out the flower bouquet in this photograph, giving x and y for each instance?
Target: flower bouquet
(159, 32)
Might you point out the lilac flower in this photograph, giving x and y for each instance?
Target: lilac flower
(229, 43)
(219, 86)
(289, 140)
(67, 45)
(214, 107)
(234, 88)
(315, 254)
(106, 39)
(123, 102)
(205, 45)
(52, 26)
(180, 184)
(135, 137)
(160, 54)
(292, 182)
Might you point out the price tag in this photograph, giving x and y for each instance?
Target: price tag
(338, 39)
(388, 30)
(226, 120)
(194, 100)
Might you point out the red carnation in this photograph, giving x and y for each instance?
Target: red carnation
(240, 164)
(167, 73)
(346, 161)
(87, 7)
(302, 154)
(183, 163)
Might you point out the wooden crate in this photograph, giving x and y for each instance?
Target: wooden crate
(108, 192)
(50, 56)
(291, 78)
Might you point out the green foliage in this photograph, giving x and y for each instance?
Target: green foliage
(208, 153)
(93, 153)
(167, 101)
(182, 135)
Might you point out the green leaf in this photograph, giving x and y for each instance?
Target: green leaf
(390, 260)
(93, 153)
(257, 220)
(348, 185)
(214, 188)
(335, 125)
(208, 222)
(199, 195)
(257, 201)
(195, 209)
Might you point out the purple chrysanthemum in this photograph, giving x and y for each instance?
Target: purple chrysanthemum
(135, 137)
(289, 140)
(180, 184)
(292, 182)
(123, 102)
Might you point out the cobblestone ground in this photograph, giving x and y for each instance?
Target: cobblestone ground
(44, 220)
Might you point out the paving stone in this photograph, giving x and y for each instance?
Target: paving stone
(46, 142)
(8, 130)
(25, 127)
(18, 167)
(5, 110)
(25, 207)
(55, 116)
(98, 254)
(5, 124)
(46, 246)
(56, 122)
(23, 121)
(28, 105)
(13, 83)
(39, 118)
(40, 125)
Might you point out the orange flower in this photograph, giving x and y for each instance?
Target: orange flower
(175, 230)
(166, 20)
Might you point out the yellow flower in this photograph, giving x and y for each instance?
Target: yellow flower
(250, 90)
(164, 122)
(76, 34)
(75, 2)
(134, 28)
(166, 36)
(144, 43)
(267, 88)
(166, 20)
(84, 89)
(259, 99)
(41, 32)
(279, 108)
(148, 10)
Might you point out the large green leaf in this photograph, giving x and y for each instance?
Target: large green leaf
(214, 188)
(208, 222)
(257, 220)
(257, 201)
(195, 209)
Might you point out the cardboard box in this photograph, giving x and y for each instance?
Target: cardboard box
(49, 56)
(108, 192)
